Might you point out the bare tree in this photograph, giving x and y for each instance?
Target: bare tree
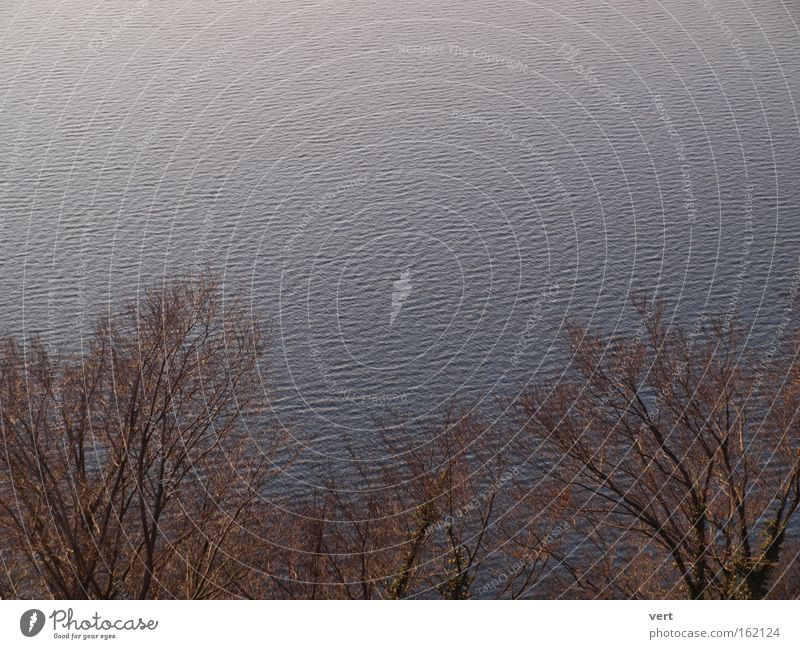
(661, 464)
(421, 526)
(125, 471)
(681, 457)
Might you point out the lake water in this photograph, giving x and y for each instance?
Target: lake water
(417, 194)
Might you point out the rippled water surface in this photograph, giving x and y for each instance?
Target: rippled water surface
(417, 194)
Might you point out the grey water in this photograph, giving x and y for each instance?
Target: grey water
(417, 195)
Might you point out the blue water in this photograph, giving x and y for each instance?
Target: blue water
(525, 163)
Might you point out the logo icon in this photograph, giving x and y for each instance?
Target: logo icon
(31, 622)
(402, 289)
